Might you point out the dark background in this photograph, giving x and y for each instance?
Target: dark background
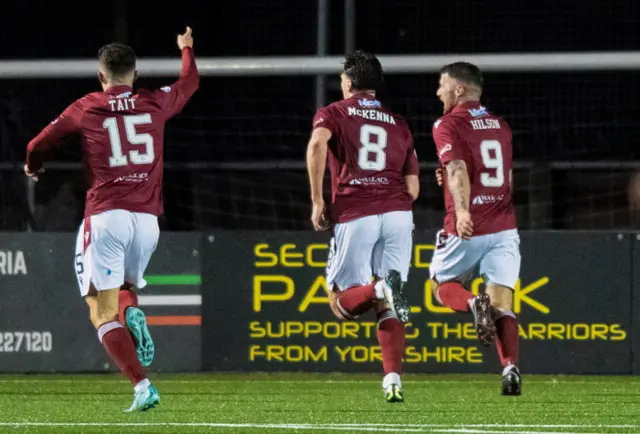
(556, 117)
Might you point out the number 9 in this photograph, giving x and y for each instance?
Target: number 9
(496, 163)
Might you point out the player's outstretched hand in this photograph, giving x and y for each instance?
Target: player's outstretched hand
(439, 178)
(33, 175)
(185, 40)
(320, 222)
(464, 225)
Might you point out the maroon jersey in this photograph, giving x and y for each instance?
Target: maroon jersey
(123, 134)
(370, 152)
(483, 141)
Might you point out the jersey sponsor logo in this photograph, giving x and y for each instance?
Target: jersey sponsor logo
(133, 177)
(487, 199)
(166, 89)
(444, 150)
(478, 112)
(369, 103)
(370, 180)
(124, 95)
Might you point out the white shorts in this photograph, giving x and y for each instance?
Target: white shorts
(495, 257)
(115, 247)
(370, 246)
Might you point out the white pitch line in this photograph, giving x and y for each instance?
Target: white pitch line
(489, 425)
(482, 431)
(427, 428)
(170, 300)
(486, 425)
(220, 425)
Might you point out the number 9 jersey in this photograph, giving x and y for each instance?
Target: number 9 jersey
(123, 134)
(370, 152)
(483, 141)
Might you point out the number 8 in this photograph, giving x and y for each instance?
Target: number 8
(496, 163)
(377, 148)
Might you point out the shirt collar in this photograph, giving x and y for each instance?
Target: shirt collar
(361, 95)
(463, 106)
(119, 89)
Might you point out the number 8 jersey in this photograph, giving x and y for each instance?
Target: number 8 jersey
(123, 134)
(483, 141)
(370, 152)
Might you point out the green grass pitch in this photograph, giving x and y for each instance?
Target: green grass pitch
(319, 403)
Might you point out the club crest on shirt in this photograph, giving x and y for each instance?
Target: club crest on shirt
(166, 89)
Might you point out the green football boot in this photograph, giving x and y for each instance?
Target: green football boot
(393, 393)
(137, 324)
(145, 399)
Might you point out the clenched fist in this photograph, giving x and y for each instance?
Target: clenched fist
(185, 40)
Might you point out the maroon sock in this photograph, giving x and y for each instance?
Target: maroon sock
(507, 339)
(391, 339)
(454, 296)
(357, 300)
(126, 299)
(117, 341)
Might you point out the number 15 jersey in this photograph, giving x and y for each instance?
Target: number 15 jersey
(123, 134)
(370, 152)
(483, 141)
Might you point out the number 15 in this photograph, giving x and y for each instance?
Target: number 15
(117, 159)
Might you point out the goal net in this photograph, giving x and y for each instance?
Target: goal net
(235, 156)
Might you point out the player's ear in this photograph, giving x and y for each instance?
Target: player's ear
(102, 78)
(135, 75)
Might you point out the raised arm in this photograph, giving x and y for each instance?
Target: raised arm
(174, 97)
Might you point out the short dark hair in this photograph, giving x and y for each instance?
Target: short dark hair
(465, 72)
(364, 70)
(119, 59)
